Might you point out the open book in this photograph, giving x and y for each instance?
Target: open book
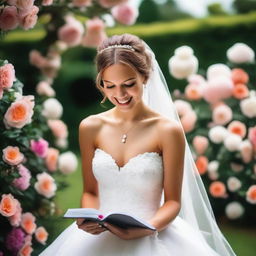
(122, 220)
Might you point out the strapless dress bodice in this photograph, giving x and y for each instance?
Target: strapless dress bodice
(134, 188)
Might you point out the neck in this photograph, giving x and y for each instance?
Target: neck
(132, 115)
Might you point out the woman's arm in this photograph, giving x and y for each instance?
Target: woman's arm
(173, 147)
(87, 132)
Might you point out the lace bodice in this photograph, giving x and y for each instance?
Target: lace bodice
(135, 188)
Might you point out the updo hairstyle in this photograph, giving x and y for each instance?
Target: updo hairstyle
(138, 59)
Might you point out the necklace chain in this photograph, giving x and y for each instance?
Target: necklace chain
(124, 136)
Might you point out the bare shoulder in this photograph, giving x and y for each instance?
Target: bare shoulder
(170, 130)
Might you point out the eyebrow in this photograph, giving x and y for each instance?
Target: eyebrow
(123, 81)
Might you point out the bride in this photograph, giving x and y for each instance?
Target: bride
(135, 159)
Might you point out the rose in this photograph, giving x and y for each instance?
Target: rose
(58, 128)
(234, 210)
(237, 128)
(39, 147)
(111, 3)
(201, 164)
(125, 14)
(16, 218)
(51, 159)
(45, 185)
(41, 235)
(28, 17)
(43, 88)
(9, 18)
(217, 134)
(22, 182)
(252, 136)
(240, 91)
(233, 184)
(217, 189)
(52, 109)
(8, 205)
(81, 3)
(200, 144)
(7, 77)
(24, 4)
(240, 53)
(248, 107)
(217, 70)
(222, 114)
(251, 194)
(67, 162)
(12, 155)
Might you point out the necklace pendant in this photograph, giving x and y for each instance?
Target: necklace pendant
(124, 138)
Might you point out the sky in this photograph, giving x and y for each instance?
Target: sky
(195, 7)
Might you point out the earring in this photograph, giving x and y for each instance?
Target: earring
(104, 99)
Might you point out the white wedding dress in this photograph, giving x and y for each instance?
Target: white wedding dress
(135, 188)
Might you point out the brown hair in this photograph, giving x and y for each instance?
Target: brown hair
(137, 59)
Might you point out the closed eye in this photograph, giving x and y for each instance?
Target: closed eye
(126, 85)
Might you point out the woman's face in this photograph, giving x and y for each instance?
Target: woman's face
(122, 85)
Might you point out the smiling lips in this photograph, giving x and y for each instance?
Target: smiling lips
(124, 102)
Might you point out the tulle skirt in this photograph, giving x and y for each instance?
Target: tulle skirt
(177, 239)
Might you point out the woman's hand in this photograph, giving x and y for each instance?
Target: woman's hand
(91, 227)
(130, 233)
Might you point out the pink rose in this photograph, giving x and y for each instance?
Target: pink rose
(222, 114)
(9, 18)
(15, 219)
(41, 235)
(28, 222)
(125, 14)
(12, 155)
(246, 151)
(81, 3)
(44, 88)
(188, 121)
(218, 189)
(196, 79)
(7, 76)
(47, 2)
(200, 143)
(39, 147)
(8, 205)
(95, 33)
(111, 3)
(24, 4)
(71, 33)
(45, 185)
(28, 17)
(252, 136)
(20, 112)
(22, 182)
(36, 59)
(58, 128)
(51, 159)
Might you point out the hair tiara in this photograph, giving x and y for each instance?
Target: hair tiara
(125, 46)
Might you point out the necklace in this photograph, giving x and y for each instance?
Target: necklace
(124, 136)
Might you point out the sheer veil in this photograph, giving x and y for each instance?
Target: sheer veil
(195, 205)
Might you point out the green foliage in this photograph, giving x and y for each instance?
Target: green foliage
(216, 9)
(244, 6)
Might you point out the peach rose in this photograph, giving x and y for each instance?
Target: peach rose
(193, 92)
(200, 144)
(41, 235)
(26, 249)
(218, 189)
(81, 3)
(237, 128)
(71, 33)
(7, 76)
(222, 114)
(58, 128)
(28, 17)
(12, 155)
(28, 222)
(9, 18)
(239, 76)
(188, 121)
(51, 159)
(95, 33)
(240, 91)
(8, 205)
(24, 4)
(125, 14)
(45, 185)
(20, 112)
(251, 194)
(15, 219)
(201, 164)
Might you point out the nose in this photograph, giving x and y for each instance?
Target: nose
(121, 91)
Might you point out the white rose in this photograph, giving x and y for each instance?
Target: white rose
(232, 142)
(45, 185)
(52, 109)
(218, 69)
(240, 53)
(61, 142)
(183, 63)
(248, 107)
(213, 166)
(217, 134)
(234, 210)
(233, 184)
(67, 162)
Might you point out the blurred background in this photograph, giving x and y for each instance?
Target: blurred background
(43, 52)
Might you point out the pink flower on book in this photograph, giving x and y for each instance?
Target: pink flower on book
(100, 216)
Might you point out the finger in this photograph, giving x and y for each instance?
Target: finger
(79, 221)
(114, 229)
